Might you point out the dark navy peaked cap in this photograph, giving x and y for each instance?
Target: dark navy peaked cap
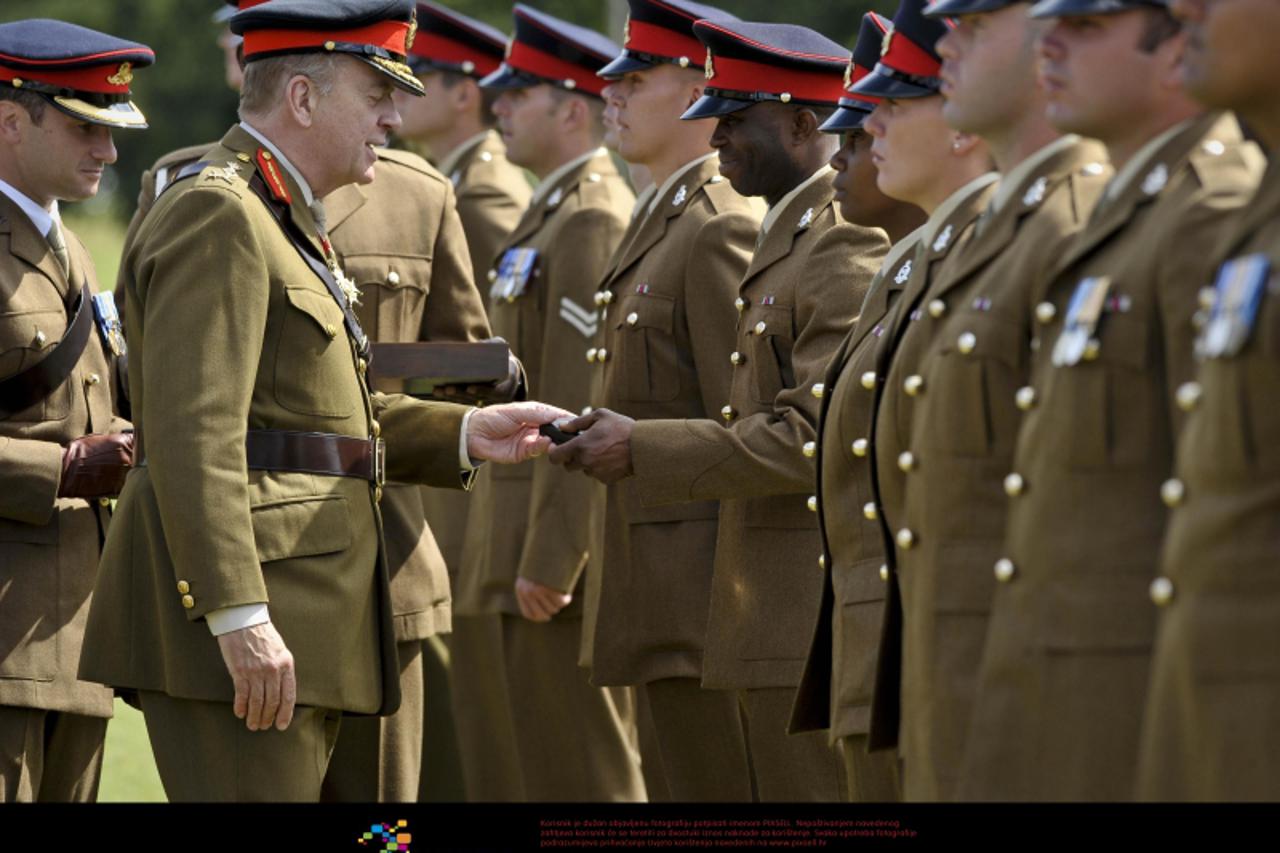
(952, 8)
(749, 62)
(548, 50)
(1070, 8)
(449, 41)
(855, 108)
(81, 72)
(909, 63)
(377, 32)
(661, 31)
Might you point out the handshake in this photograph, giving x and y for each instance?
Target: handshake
(598, 443)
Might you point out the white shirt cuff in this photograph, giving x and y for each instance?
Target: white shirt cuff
(464, 458)
(230, 619)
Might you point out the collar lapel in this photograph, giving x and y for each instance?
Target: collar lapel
(27, 243)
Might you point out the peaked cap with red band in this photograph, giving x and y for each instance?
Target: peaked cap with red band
(448, 41)
(81, 72)
(548, 50)
(661, 32)
(748, 63)
(854, 108)
(377, 32)
(909, 61)
(230, 7)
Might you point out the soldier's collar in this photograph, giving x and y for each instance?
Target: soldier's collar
(776, 210)
(450, 163)
(952, 203)
(307, 195)
(1010, 183)
(675, 176)
(562, 171)
(1138, 163)
(40, 218)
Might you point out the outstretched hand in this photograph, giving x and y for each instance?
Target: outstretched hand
(602, 448)
(509, 433)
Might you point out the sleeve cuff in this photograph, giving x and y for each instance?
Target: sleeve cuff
(464, 459)
(230, 619)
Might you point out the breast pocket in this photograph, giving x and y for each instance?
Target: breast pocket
(26, 338)
(393, 294)
(770, 337)
(644, 331)
(314, 373)
(980, 363)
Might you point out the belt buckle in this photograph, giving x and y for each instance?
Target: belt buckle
(379, 463)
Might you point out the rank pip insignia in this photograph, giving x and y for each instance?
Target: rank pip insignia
(123, 75)
(943, 239)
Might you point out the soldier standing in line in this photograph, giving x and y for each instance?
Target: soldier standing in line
(947, 420)
(1209, 731)
(770, 86)
(1064, 673)
(667, 319)
(63, 451)
(527, 541)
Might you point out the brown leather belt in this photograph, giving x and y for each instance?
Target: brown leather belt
(317, 453)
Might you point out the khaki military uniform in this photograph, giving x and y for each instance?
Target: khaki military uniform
(52, 725)
(260, 345)
(667, 321)
(835, 690)
(974, 356)
(1209, 730)
(575, 741)
(401, 241)
(796, 302)
(1064, 671)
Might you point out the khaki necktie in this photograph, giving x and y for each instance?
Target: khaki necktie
(59, 245)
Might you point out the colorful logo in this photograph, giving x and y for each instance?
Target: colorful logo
(391, 837)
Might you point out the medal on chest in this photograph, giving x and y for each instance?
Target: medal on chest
(108, 319)
(1237, 295)
(1076, 341)
(515, 270)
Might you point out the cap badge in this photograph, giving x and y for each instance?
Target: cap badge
(681, 195)
(1155, 180)
(943, 239)
(807, 219)
(887, 41)
(1035, 193)
(626, 31)
(413, 30)
(709, 67)
(123, 75)
(848, 75)
(904, 272)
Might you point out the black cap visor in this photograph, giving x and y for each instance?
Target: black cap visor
(1069, 8)
(953, 8)
(884, 82)
(849, 116)
(507, 77)
(625, 63)
(713, 106)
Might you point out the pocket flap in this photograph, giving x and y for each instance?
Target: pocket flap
(33, 534)
(301, 528)
(319, 306)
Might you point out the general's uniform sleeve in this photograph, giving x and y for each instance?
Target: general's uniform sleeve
(454, 309)
(32, 472)
(205, 305)
(558, 537)
(760, 454)
(422, 439)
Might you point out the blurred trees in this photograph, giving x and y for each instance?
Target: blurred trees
(187, 102)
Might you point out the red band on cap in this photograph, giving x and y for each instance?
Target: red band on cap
(100, 79)
(388, 35)
(908, 57)
(531, 60)
(660, 41)
(745, 76)
(438, 48)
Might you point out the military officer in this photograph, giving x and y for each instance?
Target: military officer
(835, 690)
(527, 539)
(947, 417)
(63, 451)
(1209, 731)
(1064, 672)
(244, 578)
(770, 86)
(453, 126)
(666, 322)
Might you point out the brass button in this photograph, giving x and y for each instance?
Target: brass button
(906, 539)
(266, 155)
(913, 385)
(740, 304)
(243, 157)
(1091, 349)
(1188, 395)
(188, 602)
(329, 45)
(937, 308)
(393, 277)
(362, 366)
(1014, 485)
(860, 446)
(104, 502)
(1004, 570)
(812, 503)
(591, 355)
(606, 297)
(331, 330)
(40, 338)
(822, 561)
(1161, 591)
(376, 428)
(818, 390)
(492, 275)
(1045, 312)
(92, 379)
(1025, 398)
(884, 572)
(735, 358)
(810, 449)
(1172, 492)
(602, 355)
(727, 413)
(633, 318)
(906, 460)
(760, 327)
(184, 587)
(869, 511)
(598, 299)
(377, 494)
(869, 380)
(966, 342)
